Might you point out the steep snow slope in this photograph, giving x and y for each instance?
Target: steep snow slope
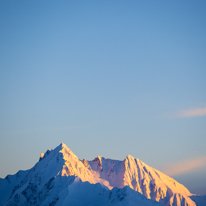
(11, 183)
(59, 176)
(56, 167)
(84, 193)
(142, 178)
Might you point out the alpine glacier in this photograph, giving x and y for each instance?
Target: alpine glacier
(60, 178)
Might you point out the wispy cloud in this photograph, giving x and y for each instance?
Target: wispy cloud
(192, 112)
(183, 167)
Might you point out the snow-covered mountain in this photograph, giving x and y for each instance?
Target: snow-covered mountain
(60, 178)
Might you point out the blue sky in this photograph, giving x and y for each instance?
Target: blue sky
(107, 78)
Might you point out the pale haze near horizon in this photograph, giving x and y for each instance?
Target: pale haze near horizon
(106, 78)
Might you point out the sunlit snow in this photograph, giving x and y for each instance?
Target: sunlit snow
(60, 178)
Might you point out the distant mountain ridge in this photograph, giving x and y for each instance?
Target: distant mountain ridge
(60, 178)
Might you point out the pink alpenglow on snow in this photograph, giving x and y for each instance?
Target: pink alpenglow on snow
(60, 178)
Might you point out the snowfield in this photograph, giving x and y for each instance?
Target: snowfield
(60, 178)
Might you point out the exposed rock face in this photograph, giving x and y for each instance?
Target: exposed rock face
(48, 182)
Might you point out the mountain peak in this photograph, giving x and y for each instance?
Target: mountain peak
(129, 157)
(60, 166)
(62, 145)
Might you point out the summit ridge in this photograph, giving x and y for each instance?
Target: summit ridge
(59, 173)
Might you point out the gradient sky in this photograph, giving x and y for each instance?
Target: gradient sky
(107, 78)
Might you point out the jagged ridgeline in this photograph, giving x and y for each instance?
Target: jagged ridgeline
(60, 178)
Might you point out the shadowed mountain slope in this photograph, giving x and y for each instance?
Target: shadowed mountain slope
(60, 178)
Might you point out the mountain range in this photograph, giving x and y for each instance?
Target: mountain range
(61, 178)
